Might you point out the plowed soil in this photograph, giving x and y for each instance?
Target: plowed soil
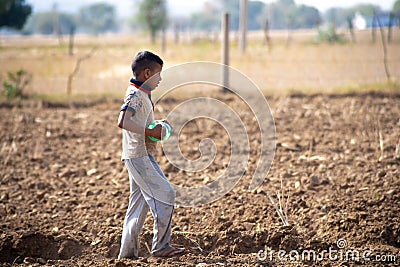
(64, 190)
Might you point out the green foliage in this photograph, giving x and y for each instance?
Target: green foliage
(98, 18)
(282, 14)
(310, 17)
(329, 35)
(367, 10)
(233, 8)
(287, 3)
(43, 23)
(285, 14)
(339, 16)
(5, 5)
(206, 21)
(153, 16)
(209, 19)
(255, 8)
(16, 83)
(396, 7)
(14, 13)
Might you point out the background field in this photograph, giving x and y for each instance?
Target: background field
(300, 65)
(64, 190)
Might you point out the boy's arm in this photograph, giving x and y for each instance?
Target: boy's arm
(130, 125)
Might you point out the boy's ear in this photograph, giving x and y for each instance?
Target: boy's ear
(147, 73)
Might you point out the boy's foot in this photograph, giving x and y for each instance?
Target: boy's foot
(170, 252)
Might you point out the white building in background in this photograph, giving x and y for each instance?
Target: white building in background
(359, 22)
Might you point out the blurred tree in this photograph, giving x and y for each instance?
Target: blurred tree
(233, 8)
(255, 15)
(275, 15)
(396, 7)
(43, 23)
(287, 3)
(14, 13)
(5, 5)
(340, 16)
(281, 14)
(97, 18)
(367, 10)
(285, 14)
(153, 16)
(308, 17)
(290, 16)
(205, 21)
(334, 15)
(209, 19)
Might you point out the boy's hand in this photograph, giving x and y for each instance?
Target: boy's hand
(156, 132)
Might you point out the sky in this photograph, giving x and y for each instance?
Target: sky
(182, 7)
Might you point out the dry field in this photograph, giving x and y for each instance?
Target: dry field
(64, 190)
(299, 66)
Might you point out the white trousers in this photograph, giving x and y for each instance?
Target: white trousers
(148, 188)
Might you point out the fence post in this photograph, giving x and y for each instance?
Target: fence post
(164, 40)
(385, 53)
(176, 33)
(225, 52)
(391, 18)
(71, 41)
(76, 69)
(351, 29)
(243, 25)
(56, 23)
(373, 29)
(267, 40)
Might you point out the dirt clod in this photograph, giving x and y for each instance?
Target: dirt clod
(69, 249)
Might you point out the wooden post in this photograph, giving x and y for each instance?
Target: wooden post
(267, 40)
(351, 29)
(373, 29)
(76, 69)
(391, 18)
(164, 40)
(71, 41)
(225, 52)
(243, 25)
(56, 23)
(385, 56)
(289, 32)
(176, 33)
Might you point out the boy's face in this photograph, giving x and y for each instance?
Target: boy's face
(153, 77)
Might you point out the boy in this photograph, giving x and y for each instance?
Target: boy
(148, 185)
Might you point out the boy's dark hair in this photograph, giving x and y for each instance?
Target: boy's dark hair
(145, 60)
